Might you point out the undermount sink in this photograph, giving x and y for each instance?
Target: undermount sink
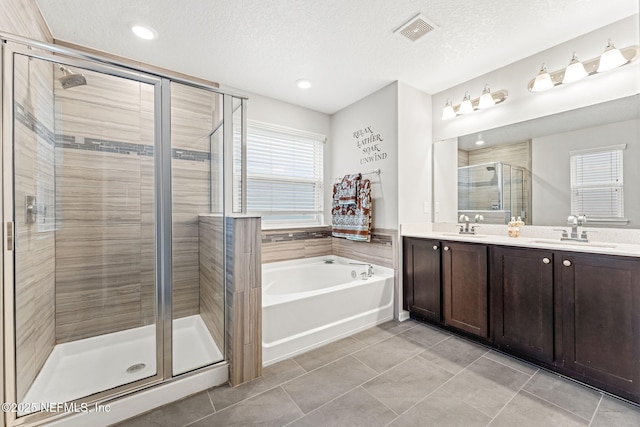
(581, 244)
(461, 235)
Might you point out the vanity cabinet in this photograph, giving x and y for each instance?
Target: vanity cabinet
(575, 313)
(421, 277)
(522, 301)
(464, 287)
(600, 320)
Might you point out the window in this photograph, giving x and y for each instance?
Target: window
(596, 183)
(284, 175)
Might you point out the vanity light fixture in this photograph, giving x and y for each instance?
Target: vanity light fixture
(448, 112)
(486, 100)
(542, 80)
(611, 58)
(574, 71)
(468, 105)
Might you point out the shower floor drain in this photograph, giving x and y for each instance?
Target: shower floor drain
(135, 368)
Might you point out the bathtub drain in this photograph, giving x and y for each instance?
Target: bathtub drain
(135, 368)
(354, 274)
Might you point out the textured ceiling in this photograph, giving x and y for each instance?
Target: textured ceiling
(345, 47)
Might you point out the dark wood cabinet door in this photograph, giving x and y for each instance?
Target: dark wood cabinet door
(464, 279)
(522, 296)
(601, 320)
(421, 280)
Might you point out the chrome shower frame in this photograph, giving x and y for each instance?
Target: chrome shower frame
(12, 45)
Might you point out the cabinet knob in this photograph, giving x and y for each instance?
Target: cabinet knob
(546, 260)
(435, 247)
(566, 263)
(446, 248)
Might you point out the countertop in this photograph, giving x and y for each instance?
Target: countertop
(621, 249)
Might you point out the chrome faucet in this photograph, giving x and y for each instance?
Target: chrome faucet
(368, 273)
(464, 229)
(575, 221)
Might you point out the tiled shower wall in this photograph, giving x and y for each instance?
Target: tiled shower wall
(35, 242)
(104, 206)
(105, 203)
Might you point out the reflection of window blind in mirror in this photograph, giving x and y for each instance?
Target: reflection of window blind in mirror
(284, 175)
(596, 183)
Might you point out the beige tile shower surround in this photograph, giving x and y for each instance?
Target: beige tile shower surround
(87, 267)
(105, 240)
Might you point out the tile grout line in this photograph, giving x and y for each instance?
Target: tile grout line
(360, 385)
(515, 369)
(294, 402)
(212, 404)
(512, 397)
(556, 405)
(381, 402)
(353, 352)
(593, 417)
(443, 384)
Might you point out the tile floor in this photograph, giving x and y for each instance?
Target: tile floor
(398, 374)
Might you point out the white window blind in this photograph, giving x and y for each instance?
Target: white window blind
(597, 184)
(284, 175)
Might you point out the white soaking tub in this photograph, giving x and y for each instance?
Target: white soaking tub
(308, 303)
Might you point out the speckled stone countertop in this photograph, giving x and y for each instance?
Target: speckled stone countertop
(601, 241)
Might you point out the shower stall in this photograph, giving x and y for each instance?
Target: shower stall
(114, 203)
(497, 191)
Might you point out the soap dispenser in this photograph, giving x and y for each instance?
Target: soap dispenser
(514, 227)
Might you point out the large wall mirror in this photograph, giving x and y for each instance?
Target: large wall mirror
(584, 161)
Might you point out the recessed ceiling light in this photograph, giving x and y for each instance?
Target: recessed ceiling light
(143, 32)
(304, 84)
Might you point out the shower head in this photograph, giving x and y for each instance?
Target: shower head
(69, 79)
(491, 168)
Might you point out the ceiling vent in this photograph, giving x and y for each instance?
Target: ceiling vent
(415, 28)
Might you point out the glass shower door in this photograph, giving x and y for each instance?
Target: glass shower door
(83, 260)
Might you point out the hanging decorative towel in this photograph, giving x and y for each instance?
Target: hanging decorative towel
(353, 221)
(348, 189)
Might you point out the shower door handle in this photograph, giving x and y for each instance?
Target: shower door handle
(10, 239)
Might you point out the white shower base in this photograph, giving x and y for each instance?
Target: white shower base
(84, 367)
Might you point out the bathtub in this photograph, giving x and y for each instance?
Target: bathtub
(308, 303)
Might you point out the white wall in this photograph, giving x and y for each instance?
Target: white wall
(550, 165)
(522, 105)
(414, 155)
(364, 136)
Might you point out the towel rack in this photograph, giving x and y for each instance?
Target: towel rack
(373, 172)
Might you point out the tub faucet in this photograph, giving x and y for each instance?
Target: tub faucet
(368, 273)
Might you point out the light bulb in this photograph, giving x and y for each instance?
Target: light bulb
(611, 58)
(486, 99)
(448, 112)
(575, 71)
(466, 107)
(543, 80)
